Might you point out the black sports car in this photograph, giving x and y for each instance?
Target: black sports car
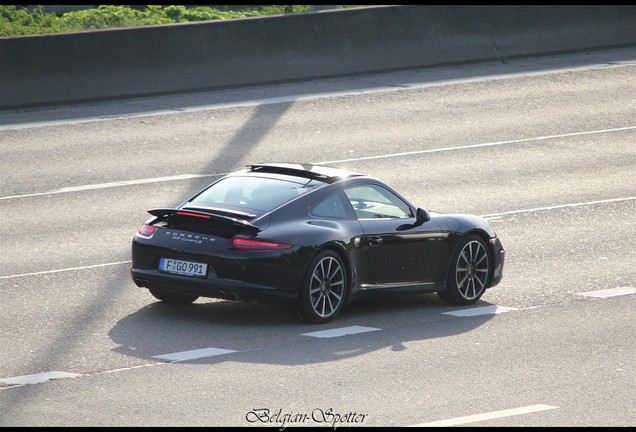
(316, 235)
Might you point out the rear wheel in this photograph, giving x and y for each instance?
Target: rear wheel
(172, 297)
(324, 289)
(469, 272)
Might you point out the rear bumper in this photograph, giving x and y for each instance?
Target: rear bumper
(209, 287)
(231, 274)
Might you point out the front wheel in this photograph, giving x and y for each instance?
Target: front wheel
(324, 288)
(172, 297)
(469, 272)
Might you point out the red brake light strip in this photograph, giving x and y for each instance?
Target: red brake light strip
(181, 213)
(248, 244)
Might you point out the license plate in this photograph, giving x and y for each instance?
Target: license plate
(185, 268)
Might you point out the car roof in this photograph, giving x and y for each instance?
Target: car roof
(309, 171)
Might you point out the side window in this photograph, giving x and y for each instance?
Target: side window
(330, 207)
(376, 202)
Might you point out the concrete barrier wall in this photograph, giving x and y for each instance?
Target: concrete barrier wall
(63, 68)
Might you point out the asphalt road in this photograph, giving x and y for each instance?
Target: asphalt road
(544, 148)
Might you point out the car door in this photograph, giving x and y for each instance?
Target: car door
(399, 251)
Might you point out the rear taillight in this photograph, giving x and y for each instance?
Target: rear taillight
(249, 244)
(147, 231)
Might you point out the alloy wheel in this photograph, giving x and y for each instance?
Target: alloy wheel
(327, 286)
(471, 272)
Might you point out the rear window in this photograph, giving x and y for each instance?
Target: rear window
(252, 194)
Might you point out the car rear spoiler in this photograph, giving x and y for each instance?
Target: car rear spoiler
(166, 213)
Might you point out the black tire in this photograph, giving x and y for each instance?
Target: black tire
(469, 272)
(172, 297)
(324, 290)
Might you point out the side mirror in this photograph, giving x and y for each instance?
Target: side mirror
(421, 216)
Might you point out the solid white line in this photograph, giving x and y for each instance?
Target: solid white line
(611, 292)
(154, 106)
(385, 156)
(493, 215)
(37, 378)
(193, 354)
(113, 184)
(482, 310)
(488, 416)
(471, 146)
(488, 216)
(65, 269)
(340, 332)
(132, 182)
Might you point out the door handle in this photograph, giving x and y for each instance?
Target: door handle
(375, 241)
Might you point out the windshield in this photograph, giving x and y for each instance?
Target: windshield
(252, 194)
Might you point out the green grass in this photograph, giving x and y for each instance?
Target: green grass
(20, 22)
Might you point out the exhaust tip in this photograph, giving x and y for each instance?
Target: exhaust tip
(228, 295)
(142, 283)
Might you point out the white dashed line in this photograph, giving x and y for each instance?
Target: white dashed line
(488, 416)
(193, 354)
(482, 310)
(37, 378)
(340, 332)
(612, 292)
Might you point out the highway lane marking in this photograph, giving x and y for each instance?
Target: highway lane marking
(114, 184)
(488, 416)
(491, 216)
(472, 146)
(369, 84)
(342, 331)
(611, 292)
(193, 354)
(363, 158)
(481, 310)
(37, 378)
(495, 216)
(65, 269)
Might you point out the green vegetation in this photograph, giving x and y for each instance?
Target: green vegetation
(19, 22)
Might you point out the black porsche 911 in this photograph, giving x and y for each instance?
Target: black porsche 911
(315, 235)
